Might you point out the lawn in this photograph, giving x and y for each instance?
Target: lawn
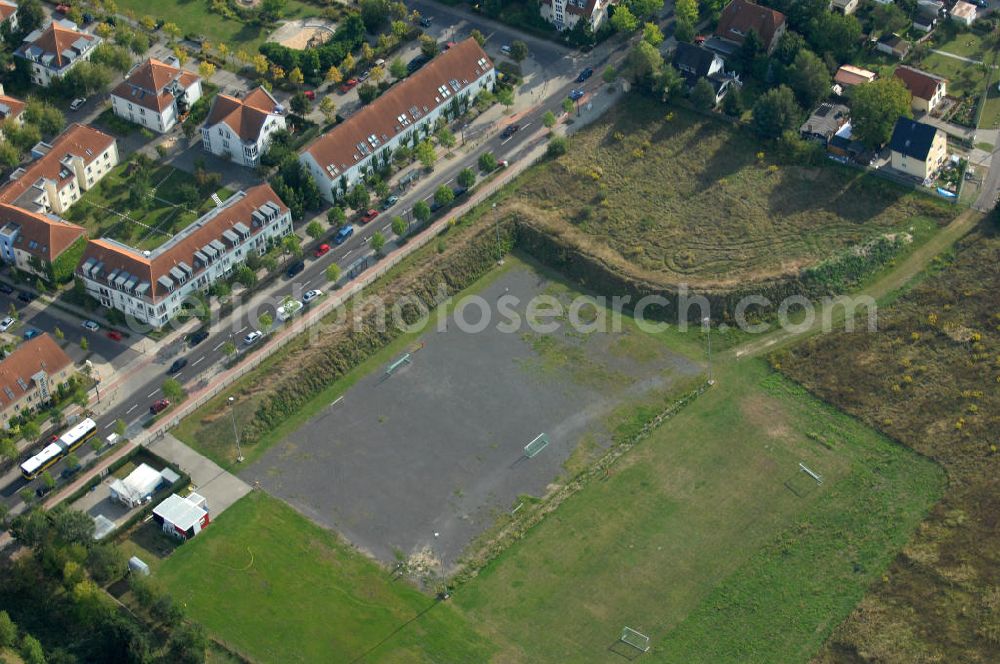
(991, 113)
(103, 209)
(272, 585)
(709, 539)
(964, 78)
(194, 18)
(687, 198)
(966, 44)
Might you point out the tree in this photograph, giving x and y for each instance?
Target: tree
(182, 55)
(348, 64)
(610, 74)
(549, 119)
(31, 650)
(84, 344)
(568, 105)
(172, 30)
(875, 108)
(187, 644)
(378, 242)
(72, 526)
(314, 229)
(809, 78)
(686, 11)
(120, 427)
(466, 178)
(31, 528)
(478, 36)
(266, 321)
(775, 111)
(732, 104)
(645, 9)
(291, 244)
(333, 75)
(336, 216)
(889, 18)
(375, 14)
(300, 104)
(260, 63)
(30, 16)
(105, 562)
(328, 108)
(358, 197)
(10, 156)
(421, 211)
(229, 349)
(788, 47)
(684, 32)
(644, 63)
(8, 631)
(48, 118)
(623, 20)
(72, 461)
(518, 50)
(446, 137)
(173, 390)
(367, 93)
(426, 154)
(487, 162)
(59, 334)
(703, 94)
(295, 76)
(557, 146)
(333, 273)
(428, 46)
(271, 10)
(832, 32)
(206, 69)
(397, 68)
(398, 226)
(444, 195)
(377, 73)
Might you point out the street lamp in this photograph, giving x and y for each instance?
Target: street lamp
(236, 435)
(708, 326)
(496, 222)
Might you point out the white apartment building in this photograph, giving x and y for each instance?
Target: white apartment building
(403, 115)
(565, 14)
(240, 130)
(151, 286)
(75, 161)
(55, 49)
(156, 94)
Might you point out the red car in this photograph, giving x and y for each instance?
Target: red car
(159, 406)
(348, 84)
(310, 95)
(63, 8)
(115, 335)
(322, 249)
(368, 216)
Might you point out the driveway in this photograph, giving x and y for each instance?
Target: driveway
(220, 488)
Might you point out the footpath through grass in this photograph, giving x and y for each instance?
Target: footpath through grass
(278, 588)
(709, 538)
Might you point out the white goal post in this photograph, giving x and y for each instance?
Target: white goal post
(635, 639)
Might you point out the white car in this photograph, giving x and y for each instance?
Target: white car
(309, 296)
(77, 103)
(289, 309)
(6, 324)
(253, 337)
(91, 325)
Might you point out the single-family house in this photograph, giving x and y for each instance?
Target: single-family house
(924, 23)
(845, 7)
(696, 62)
(893, 45)
(843, 144)
(156, 94)
(964, 12)
(565, 14)
(30, 375)
(182, 516)
(8, 14)
(917, 149)
(848, 76)
(403, 115)
(930, 8)
(741, 17)
(928, 90)
(11, 110)
(54, 50)
(241, 129)
(825, 122)
(32, 241)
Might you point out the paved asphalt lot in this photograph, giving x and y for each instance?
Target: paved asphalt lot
(438, 446)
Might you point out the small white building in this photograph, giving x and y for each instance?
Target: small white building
(151, 286)
(240, 130)
(845, 7)
(156, 94)
(403, 116)
(182, 517)
(137, 488)
(55, 49)
(964, 13)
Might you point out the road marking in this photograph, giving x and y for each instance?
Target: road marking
(306, 282)
(525, 125)
(152, 393)
(198, 360)
(347, 253)
(110, 424)
(221, 344)
(337, 400)
(386, 227)
(242, 328)
(177, 376)
(134, 406)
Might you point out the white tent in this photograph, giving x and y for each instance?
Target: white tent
(137, 487)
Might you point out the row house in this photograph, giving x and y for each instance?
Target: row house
(240, 130)
(54, 50)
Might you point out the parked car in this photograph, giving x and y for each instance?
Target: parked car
(505, 49)
(197, 337)
(348, 85)
(503, 163)
(575, 94)
(369, 216)
(289, 309)
(253, 337)
(342, 235)
(416, 63)
(447, 46)
(509, 131)
(311, 295)
(310, 95)
(389, 202)
(91, 325)
(42, 491)
(178, 364)
(6, 323)
(31, 333)
(295, 268)
(380, 62)
(321, 250)
(584, 75)
(159, 406)
(363, 76)
(459, 192)
(425, 22)
(77, 103)
(115, 335)
(5, 289)
(63, 8)
(25, 296)
(67, 473)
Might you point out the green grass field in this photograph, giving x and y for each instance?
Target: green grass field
(153, 224)
(686, 197)
(700, 540)
(278, 588)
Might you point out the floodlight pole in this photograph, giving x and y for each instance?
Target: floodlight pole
(496, 222)
(708, 326)
(236, 435)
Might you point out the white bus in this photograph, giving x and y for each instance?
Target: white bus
(59, 448)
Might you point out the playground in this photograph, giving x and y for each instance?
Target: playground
(419, 456)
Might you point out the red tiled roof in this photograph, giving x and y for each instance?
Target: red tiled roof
(78, 140)
(7, 9)
(51, 236)
(741, 16)
(16, 105)
(39, 354)
(150, 268)
(920, 84)
(460, 63)
(144, 86)
(244, 116)
(56, 39)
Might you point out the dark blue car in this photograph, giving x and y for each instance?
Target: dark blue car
(344, 233)
(584, 75)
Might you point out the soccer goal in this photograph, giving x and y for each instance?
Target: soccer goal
(399, 362)
(635, 639)
(540, 442)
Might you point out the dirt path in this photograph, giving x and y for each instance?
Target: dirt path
(913, 265)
